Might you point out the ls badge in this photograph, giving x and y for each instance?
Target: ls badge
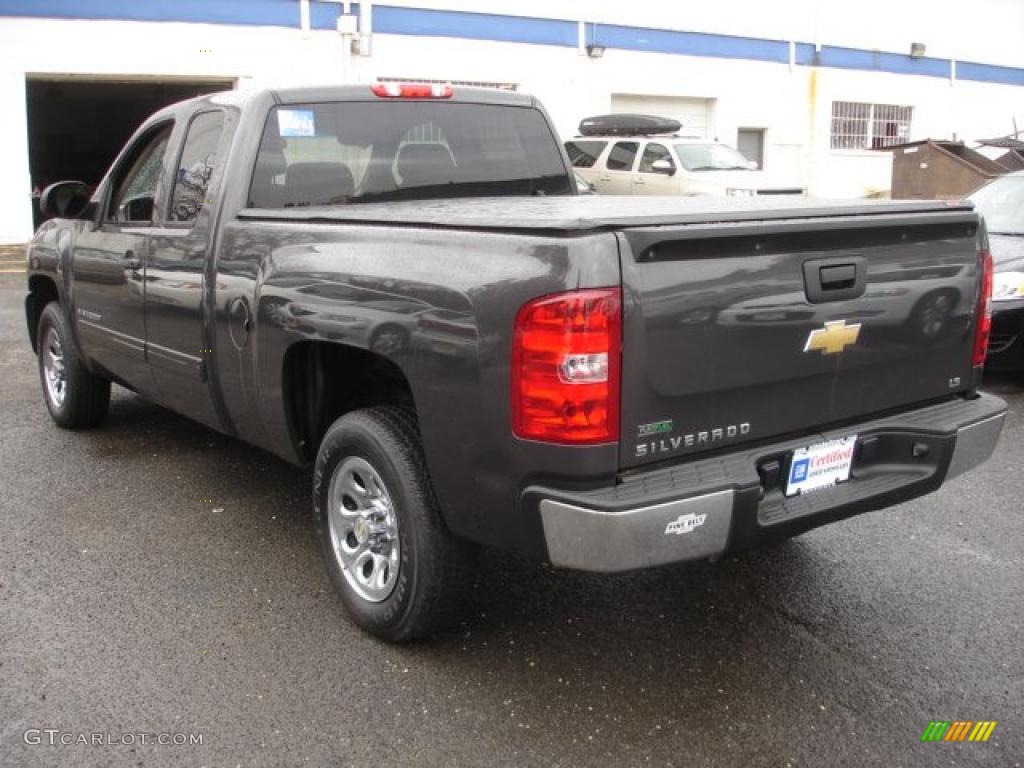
(833, 338)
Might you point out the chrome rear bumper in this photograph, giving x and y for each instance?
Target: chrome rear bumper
(677, 514)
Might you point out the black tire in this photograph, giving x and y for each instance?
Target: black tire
(435, 566)
(86, 397)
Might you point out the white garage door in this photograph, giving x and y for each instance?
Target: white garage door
(694, 114)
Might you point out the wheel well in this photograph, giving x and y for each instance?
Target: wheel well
(41, 291)
(322, 381)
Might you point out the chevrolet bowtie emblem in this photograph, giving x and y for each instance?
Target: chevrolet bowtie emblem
(833, 338)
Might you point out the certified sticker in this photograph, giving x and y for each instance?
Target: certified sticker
(820, 465)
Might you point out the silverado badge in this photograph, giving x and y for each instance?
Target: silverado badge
(833, 338)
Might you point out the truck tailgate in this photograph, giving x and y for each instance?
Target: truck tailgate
(744, 331)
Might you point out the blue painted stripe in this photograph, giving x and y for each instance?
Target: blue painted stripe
(804, 54)
(687, 43)
(476, 26)
(282, 13)
(394, 20)
(872, 61)
(512, 29)
(324, 15)
(989, 73)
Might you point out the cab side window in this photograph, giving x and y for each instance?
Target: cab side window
(652, 154)
(195, 166)
(622, 155)
(135, 182)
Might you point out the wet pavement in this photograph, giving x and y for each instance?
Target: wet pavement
(156, 577)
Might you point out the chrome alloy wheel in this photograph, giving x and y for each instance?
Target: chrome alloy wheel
(364, 529)
(53, 368)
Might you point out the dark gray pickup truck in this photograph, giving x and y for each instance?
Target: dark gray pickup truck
(399, 287)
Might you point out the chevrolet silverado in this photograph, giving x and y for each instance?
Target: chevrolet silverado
(399, 287)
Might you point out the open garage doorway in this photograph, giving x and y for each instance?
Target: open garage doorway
(77, 124)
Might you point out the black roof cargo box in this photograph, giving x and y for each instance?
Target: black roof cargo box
(627, 125)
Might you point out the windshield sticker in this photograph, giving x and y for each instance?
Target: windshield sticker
(293, 123)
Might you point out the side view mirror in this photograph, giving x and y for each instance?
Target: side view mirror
(64, 200)
(136, 209)
(753, 165)
(666, 167)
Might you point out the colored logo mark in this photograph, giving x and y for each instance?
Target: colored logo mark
(833, 338)
(799, 472)
(958, 730)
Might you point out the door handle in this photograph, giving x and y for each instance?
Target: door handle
(638, 180)
(131, 262)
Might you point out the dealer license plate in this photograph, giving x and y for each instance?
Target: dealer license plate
(820, 465)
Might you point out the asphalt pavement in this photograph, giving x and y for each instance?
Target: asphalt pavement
(159, 578)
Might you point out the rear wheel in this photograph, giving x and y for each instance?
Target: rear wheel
(74, 396)
(400, 573)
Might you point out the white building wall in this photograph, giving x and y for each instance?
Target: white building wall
(792, 103)
(15, 183)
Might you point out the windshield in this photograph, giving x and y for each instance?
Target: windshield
(711, 157)
(1001, 202)
(356, 152)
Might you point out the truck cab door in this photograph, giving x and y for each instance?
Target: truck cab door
(176, 274)
(616, 176)
(656, 173)
(108, 264)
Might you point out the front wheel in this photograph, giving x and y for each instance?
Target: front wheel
(75, 397)
(400, 573)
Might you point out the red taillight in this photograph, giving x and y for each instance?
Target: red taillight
(984, 321)
(411, 91)
(565, 367)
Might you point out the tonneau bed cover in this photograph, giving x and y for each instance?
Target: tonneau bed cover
(592, 212)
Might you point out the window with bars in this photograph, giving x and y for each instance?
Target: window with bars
(869, 126)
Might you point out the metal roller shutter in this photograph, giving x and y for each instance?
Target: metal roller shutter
(694, 114)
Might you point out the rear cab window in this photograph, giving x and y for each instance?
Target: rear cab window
(622, 156)
(583, 154)
(342, 153)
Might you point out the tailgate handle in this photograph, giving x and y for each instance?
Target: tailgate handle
(837, 279)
